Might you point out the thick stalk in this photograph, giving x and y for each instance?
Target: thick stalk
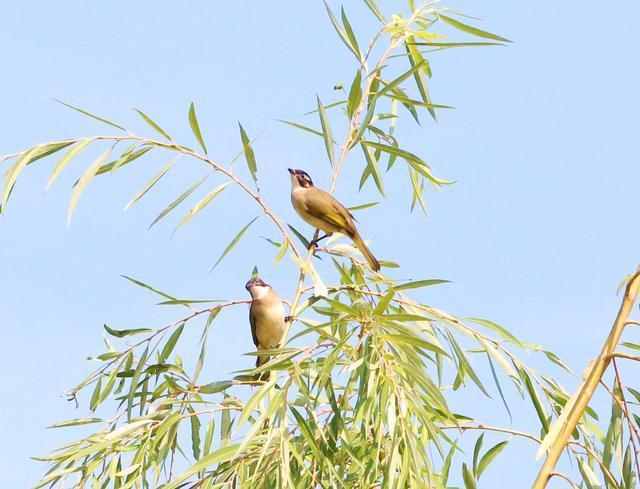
(593, 378)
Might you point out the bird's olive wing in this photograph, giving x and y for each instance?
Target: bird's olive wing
(252, 321)
(324, 206)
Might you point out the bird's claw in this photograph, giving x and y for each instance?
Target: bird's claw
(289, 319)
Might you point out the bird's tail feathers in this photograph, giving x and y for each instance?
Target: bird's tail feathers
(373, 263)
(260, 361)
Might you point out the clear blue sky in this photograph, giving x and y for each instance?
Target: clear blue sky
(536, 234)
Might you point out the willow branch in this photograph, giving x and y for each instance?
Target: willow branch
(594, 376)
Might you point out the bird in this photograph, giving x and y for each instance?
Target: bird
(266, 316)
(324, 212)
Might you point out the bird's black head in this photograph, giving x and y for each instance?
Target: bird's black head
(256, 282)
(301, 177)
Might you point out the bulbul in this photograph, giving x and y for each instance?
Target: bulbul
(324, 212)
(266, 316)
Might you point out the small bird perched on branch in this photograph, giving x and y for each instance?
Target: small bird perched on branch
(266, 316)
(324, 212)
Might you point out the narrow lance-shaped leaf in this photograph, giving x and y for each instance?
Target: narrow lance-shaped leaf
(416, 60)
(224, 453)
(326, 132)
(66, 159)
(171, 343)
(195, 127)
(420, 283)
(372, 164)
(234, 241)
(202, 204)
(348, 30)
(376, 11)
(84, 182)
(300, 126)
(89, 114)
(179, 200)
(148, 287)
(341, 31)
(75, 422)
(12, 174)
(470, 29)
(355, 94)
(151, 183)
(127, 157)
(134, 381)
(249, 154)
(152, 123)
(488, 457)
(125, 332)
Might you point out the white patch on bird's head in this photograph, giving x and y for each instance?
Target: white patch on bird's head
(259, 291)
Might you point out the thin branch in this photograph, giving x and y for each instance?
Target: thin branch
(563, 476)
(625, 409)
(625, 356)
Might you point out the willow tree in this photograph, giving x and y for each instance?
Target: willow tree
(358, 394)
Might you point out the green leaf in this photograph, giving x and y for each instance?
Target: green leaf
(84, 182)
(195, 436)
(249, 154)
(362, 206)
(89, 114)
(50, 148)
(179, 200)
(95, 397)
(476, 452)
(355, 94)
(348, 30)
(195, 127)
(467, 476)
(66, 159)
(535, 399)
(341, 31)
(75, 422)
(504, 333)
(300, 126)
(234, 241)
(372, 164)
(420, 283)
(150, 183)
(470, 29)
(125, 332)
(148, 287)
(13, 173)
(383, 303)
(326, 132)
(419, 64)
(376, 11)
(215, 387)
(464, 362)
(201, 205)
(220, 455)
(488, 457)
(134, 382)
(171, 343)
(299, 235)
(589, 477)
(149, 121)
(393, 84)
(127, 157)
(413, 160)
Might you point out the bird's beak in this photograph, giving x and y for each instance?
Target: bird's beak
(291, 171)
